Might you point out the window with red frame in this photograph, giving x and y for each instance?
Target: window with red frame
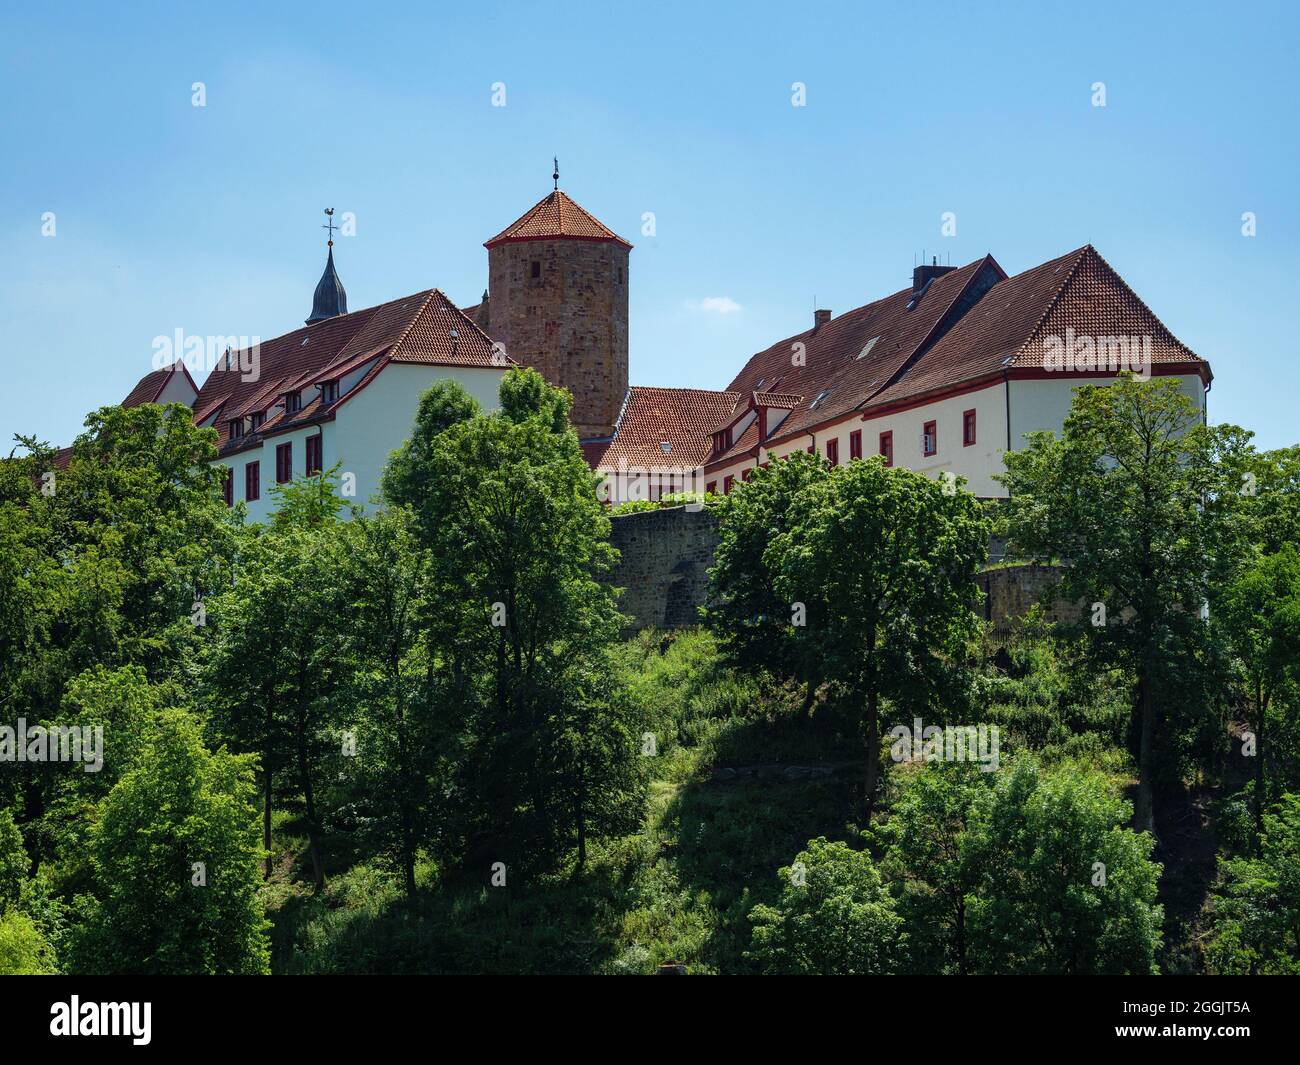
(855, 444)
(313, 455)
(712, 488)
(887, 448)
(252, 481)
(727, 482)
(283, 463)
(228, 487)
(930, 439)
(967, 428)
(833, 452)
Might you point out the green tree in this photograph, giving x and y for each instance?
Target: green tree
(1256, 904)
(1135, 494)
(883, 561)
(176, 854)
(1064, 887)
(1259, 613)
(516, 546)
(834, 917)
(23, 950)
(14, 862)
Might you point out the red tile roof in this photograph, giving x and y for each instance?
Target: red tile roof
(151, 385)
(556, 216)
(652, 417)
(414, 329)
(968, 324)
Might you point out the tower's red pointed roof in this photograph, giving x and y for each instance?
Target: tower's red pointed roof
(556, 216)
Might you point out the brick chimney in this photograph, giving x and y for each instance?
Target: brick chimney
(820, 318)
(921, 274)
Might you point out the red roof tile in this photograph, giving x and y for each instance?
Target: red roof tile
(151, 385)
(556, 216)
(414, 329)
(652, 417)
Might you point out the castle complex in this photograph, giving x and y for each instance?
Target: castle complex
(942, 376)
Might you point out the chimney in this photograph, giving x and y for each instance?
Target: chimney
(923, 274)
(820, 318)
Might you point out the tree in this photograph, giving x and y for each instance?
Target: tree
(1136, 495)
(930, 864)
(1256, 904)
(834, 917)
(23, 950)
(516, 545)
(14, 862)
(883, 562)
(1260, 615)
(750, 620)
(176, 854)
(1063, 887)
(276, 662)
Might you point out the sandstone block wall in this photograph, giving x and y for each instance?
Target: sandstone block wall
(569, 322)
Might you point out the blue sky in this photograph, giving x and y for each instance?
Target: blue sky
(170, 216)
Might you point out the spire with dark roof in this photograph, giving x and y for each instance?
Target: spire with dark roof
(330, 299)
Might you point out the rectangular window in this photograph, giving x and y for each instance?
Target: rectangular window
(329, 391)
(293, 402)
(252, 482)
(712, 488)
(313, 455)
(236, 428)
(228, 486)
(283, 463)
(967, 428)
(833, 452)
(855, 444)
(256, 419)
(536, 270)
(887, 448)
(930, 439)
(727, 482)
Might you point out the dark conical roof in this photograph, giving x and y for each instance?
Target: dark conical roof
(330, 300)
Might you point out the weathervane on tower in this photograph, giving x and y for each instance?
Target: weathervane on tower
(556, 176)
(329, 214)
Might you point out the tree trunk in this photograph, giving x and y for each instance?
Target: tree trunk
(309, 800)
(1144, 810)
(873, 747)
(1261, 707)
(266, 790)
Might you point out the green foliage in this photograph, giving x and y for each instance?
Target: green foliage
(180, 805)
(1064, 888)
(834, 917)
(1256, 905)
(23, 950)
(1140, 496)
(14, 862)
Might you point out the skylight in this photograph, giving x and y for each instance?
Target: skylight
(866, 350)
(819, 400)
(665, 446)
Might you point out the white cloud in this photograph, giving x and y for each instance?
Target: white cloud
(714, 305)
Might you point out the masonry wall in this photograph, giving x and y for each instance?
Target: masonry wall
(569, 323)
(665, 556)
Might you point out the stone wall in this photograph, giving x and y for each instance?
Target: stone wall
(666, 555)
(569, 322)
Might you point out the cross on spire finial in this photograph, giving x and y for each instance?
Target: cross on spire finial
(329, 214)
(556, 176)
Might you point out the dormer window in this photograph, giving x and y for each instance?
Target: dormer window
(329, 392)
(256, 419)
(292, 402)
(236, 428)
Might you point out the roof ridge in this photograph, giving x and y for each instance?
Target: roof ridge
(1079, 255)
(396, 346)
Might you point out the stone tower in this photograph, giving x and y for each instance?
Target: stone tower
(558, 282)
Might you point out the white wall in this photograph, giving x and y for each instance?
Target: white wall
(1043, 403)
(365, 431)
